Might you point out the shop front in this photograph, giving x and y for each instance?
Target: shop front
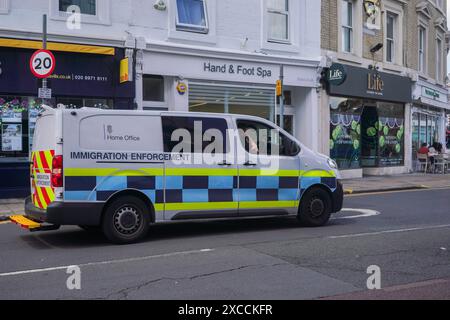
(368, 127)
(85, 76)
(429, 116)
(238, 85)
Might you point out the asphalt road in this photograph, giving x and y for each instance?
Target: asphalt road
(253, 259)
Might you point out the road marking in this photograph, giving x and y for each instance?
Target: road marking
(166, 255)
(364, 213)
(394, 191)
(5, 222)
(358, 235)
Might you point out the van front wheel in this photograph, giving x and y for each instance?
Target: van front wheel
(126, 220)
(315, 208)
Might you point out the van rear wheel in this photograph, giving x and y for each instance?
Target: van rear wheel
(315, 208)
(126, 220)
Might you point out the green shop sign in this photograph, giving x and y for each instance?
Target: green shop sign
(337, 74)
(433, 94)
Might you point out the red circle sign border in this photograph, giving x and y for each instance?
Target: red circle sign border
(53, 64)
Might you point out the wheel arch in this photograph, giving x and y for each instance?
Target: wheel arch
(322, 186)
(135, 193)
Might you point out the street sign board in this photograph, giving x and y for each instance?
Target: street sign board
(279, 88)
(45, 93)
(42, 64)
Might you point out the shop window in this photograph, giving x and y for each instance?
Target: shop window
(259, 102)
(18, 117)
(153, 88)
(278, 20)
(77, 103)
(88, 7)
(192, 16)
(181, 132)
(345, 129)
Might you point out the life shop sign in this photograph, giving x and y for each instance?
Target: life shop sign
(370, 84)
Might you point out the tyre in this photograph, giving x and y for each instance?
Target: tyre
(315, 208)
(126, 220)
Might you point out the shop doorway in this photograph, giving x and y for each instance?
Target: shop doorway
(369, 136)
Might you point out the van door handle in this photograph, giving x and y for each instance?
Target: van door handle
(250, 164)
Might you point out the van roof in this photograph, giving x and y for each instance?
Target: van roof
(151, 112)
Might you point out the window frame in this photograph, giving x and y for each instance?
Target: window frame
(286, 13)
(154, 76)
(228, 147)
(102, 17)
(82, 14)
(5, 6)
(281, 134)
(439, 59)
(345, 27)
(183, 27)
(393, 57)
(422, 49)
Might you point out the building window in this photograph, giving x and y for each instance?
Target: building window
(439, 54)
(391, 22)
(422, 49)
(88, 7)
(278, 19)
(153, 88)
(192, 16)
(347, 14)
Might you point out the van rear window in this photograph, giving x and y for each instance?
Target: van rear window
(44, 135)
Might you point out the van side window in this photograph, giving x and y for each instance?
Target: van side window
(258, 139)
(195, 135)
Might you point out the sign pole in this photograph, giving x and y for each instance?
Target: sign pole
(282, 98)
(44, 46)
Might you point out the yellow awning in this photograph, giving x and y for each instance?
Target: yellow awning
(56, 46)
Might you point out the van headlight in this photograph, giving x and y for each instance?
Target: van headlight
(332, 164)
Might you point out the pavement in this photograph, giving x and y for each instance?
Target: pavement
(405, 234)
(395, 183)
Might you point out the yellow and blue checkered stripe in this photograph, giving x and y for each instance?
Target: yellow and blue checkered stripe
(197, 189)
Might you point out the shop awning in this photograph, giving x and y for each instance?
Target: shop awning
(57, 46)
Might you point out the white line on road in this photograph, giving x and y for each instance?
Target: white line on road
(364, 213)
(358, 235)
(166, 255)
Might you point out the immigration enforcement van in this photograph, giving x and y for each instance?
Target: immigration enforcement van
(122, 171)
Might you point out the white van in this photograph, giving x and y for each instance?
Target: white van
(121, 171)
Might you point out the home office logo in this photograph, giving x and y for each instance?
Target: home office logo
(373, 14)
(110, 136)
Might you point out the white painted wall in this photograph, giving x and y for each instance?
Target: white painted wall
(237, 31)
(231, 22)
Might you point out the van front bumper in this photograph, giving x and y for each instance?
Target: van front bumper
(66, 213)
(338, 197)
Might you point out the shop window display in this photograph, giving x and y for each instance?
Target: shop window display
(17, 123)
(366, 133)
(345, 140)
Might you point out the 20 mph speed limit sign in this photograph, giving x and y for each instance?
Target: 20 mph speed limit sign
(42, 64)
